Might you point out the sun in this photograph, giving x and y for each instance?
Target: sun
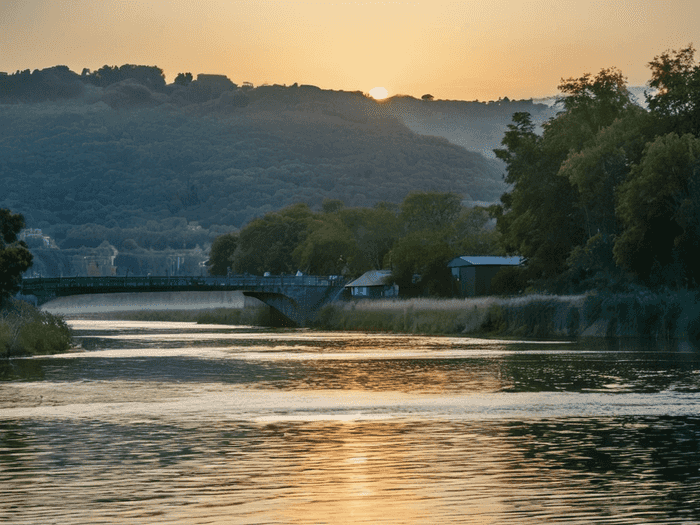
(378, 93)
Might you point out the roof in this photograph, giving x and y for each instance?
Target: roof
(371, 278)
(468, 260)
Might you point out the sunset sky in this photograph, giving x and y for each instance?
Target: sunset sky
(461, 50)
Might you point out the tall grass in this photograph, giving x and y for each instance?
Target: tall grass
(26, 330)
(641, 313)
(535, 316)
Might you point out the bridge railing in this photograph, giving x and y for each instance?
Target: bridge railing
(235, 280)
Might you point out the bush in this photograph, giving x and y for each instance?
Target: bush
(26, 330)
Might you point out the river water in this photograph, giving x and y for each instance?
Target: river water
(180, 423)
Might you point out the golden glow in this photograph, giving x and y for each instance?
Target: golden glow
(378, 93)
(452, 50)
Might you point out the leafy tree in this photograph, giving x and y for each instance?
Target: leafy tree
(15, 257)
(266, 244)
(332, 205)
(659, 206)
(221, 254)
(471, 234)
(423, 253)
(375, 230)
(538, 218)
(183, 79)
(429, 209)
(676, 79)
(600, 167)
(543, 217)
(327, 249)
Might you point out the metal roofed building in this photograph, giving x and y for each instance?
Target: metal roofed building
(473, 274)
(373, 284)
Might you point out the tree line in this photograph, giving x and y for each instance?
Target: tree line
(609, 193)
(414, 238)
(606, 196)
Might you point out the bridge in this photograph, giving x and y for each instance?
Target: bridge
(296, 298)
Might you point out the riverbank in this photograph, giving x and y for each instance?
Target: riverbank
(635, 314)
(26, 330)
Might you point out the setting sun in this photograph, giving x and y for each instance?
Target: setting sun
(378, 93)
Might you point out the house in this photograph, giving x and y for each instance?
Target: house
(472, 274)
(373, 284)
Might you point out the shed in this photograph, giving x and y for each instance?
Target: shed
(473, 274)
(373, 284)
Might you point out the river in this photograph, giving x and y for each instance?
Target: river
(194, 424)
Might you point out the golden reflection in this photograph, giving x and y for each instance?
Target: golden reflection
(379, 472)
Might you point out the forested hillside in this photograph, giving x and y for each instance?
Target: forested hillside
(118, 155)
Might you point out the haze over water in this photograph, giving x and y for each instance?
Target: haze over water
(179, 423)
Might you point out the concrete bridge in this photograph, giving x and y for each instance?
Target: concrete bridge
(295, 298)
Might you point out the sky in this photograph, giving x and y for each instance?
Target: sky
(458, 50)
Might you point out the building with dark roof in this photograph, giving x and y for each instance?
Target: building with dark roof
(472, 274)
(373, 284)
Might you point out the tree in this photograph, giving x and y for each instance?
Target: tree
(374, 230)
(332, 205)
(543, 217)
(221, 255)
(471, 234)
(429, 209)
(183, 79)
(423, 253)
(538, 218)
(327, 249)
(676, 79)
(266, 244)
(659, 207)
(15, 257)
(427, 96)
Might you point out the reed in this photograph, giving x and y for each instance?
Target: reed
(536, 316)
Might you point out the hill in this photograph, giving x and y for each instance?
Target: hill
(120, 156)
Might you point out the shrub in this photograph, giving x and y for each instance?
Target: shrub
(26, 330)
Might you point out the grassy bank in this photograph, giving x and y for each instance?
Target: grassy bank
(26, 330)
(639, 313)
(635, 314)
(253, 315)
(536, 316)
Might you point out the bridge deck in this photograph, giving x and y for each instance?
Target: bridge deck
(78, 285)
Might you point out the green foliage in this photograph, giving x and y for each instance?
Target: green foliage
(429, 210)
(374, 230)
(600, 167)
(15, 257)
(266, 244)
(659, 207)
(601, 192)
(676, 79)
(221, 255)
(538, 218)
(25, 330)
(510, 280)
(327, 249)
(183, 79)
(424, 253)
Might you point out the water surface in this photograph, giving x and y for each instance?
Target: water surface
(180, 423)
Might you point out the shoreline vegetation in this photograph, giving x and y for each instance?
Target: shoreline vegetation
(640, 314)
(661, 316)
(25, 330)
